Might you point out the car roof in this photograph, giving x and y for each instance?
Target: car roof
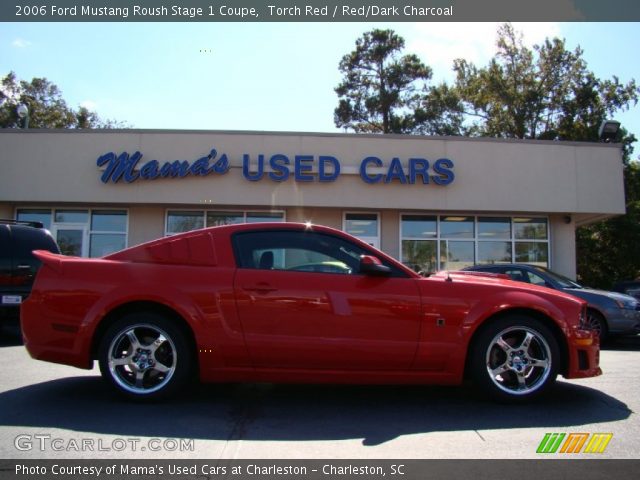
(21, 224)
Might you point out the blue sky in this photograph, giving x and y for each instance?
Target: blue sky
(266, 76)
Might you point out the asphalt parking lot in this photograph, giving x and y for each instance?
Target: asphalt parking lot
(53, 411)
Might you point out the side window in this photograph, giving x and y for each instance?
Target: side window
(517, 274)
(27, 240)
(536, 279)
(297, 251)
(301, 251)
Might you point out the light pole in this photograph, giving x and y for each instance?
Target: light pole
(23, 115)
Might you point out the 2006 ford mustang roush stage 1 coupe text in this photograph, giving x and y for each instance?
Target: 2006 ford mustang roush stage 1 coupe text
(284, 302)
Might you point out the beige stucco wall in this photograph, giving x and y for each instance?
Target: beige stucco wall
(146, 223)
(6, 211)
(491, 175)
(563, 244)
(580, 181)
(319, 216)
(390, 232)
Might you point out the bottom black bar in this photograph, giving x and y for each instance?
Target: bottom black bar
(543, 469)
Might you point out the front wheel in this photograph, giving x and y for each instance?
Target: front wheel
(515, 359)
(597, 323)
(145, 357)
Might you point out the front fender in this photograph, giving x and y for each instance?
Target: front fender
(501, 302)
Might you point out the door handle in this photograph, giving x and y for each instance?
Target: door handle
(259, 288)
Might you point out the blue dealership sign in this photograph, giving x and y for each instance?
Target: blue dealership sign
(278, 167)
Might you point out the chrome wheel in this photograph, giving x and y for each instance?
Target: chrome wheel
(595, 323)
(142, 358)
(519, 360)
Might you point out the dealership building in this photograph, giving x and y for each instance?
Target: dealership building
(433, 202)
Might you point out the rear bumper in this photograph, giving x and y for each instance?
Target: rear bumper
(51, 341)
(584, 355)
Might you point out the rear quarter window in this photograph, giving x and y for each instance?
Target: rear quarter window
(26, 240)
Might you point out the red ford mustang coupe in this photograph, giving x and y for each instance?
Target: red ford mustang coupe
(284, 302)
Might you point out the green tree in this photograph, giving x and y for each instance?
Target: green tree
(47, 108)
(380, 89)
(548, 93)
(609, 251)
(542, 93)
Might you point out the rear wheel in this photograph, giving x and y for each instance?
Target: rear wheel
(145, 356)
(515, 358)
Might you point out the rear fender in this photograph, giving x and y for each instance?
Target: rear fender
(168, 297)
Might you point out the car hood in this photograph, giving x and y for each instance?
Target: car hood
(585, 292)
(501, 281)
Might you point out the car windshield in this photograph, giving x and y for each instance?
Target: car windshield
(561, 280)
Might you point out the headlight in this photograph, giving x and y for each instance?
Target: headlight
(630, 304)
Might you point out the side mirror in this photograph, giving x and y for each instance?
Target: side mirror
(370, 265)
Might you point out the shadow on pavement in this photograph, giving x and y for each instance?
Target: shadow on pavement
(10, 335)
(630, 343)
(296, 412)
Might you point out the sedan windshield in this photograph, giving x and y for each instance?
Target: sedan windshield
(561, 280)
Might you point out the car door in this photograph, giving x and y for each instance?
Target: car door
(297, 313)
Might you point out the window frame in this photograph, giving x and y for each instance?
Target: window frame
(86, 226)
(239, 259)
(476, 238)
(366, 239)
(219, 210)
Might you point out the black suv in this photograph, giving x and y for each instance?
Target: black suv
(18, 266)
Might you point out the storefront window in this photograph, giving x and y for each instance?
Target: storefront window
(70, 241)
(35, 215)
(535, 253)
(536, 250)
(420, 255)
(490, 228)
(105, 243)
(186, 220)
(419, 226)
(108, 232)
(82, 232)
(530, 228)
(456, 227)
(494, 252)
(71, 216)
(216, 219)
(455, 255)
(364, 226)
(109, 221)
(178, 222)
(418, 252)
(255, 217)
(431, 243)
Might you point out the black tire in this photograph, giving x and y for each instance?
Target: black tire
(515, 359)
(597, 323)
(145, 356)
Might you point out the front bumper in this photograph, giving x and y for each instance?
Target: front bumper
(622, 321)
(584, 355)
